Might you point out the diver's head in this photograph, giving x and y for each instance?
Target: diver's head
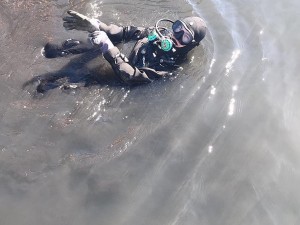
(185, 35)
(188, 32)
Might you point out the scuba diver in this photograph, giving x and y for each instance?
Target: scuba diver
(157, 52)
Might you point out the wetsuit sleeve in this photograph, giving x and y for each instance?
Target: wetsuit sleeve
(130, 74)
(119, 34)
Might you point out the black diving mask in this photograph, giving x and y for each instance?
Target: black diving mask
(182, 33)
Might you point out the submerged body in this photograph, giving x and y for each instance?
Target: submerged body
(156, 52)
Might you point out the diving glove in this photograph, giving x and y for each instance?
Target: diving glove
(100, 38)
(81, 22)
(69, 46)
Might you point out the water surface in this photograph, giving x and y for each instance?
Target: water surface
(218, 143)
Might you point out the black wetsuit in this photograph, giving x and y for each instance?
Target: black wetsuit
(146, 62)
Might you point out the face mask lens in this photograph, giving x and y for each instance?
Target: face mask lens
(177, 26)
(182, 32)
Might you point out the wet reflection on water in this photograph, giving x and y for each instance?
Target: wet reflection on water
(217, 143)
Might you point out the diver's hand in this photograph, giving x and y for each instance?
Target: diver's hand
(100, 38)
(78, 21)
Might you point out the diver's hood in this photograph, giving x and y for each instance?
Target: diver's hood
(198, 26)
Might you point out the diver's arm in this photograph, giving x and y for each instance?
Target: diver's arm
(114, 32)
(118, 34)
(119, 63)
(129, 74)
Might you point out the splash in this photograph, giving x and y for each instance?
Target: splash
(211, 65)
(234, 57)
(210, 149)
(213, 90)
(231, 107)
(96, 9)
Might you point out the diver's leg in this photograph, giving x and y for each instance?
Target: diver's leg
(68, 47)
